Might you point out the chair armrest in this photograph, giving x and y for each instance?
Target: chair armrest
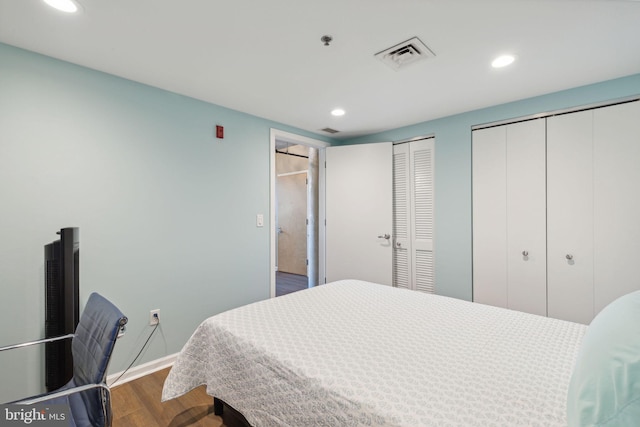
(62, 393)
(44, 340)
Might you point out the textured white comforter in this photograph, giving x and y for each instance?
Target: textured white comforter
(354, 353)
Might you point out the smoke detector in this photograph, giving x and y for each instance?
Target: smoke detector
(405, 53)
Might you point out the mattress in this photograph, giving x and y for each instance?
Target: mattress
(353, 353)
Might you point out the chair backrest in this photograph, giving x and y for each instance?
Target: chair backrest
(92, 346)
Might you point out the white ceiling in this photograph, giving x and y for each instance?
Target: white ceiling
(265, 57)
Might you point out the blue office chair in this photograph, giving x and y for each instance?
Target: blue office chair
(87, 393)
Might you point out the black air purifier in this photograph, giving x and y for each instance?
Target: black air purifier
(62, 305)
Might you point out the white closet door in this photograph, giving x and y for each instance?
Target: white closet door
(402, 273)
(489, 171)
(526, 217)
(509, 223)
(413, 215)
(422, 185)
(617, 204)
(570, 223)
(359, 209)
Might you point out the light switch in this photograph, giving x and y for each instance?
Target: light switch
(259, 220)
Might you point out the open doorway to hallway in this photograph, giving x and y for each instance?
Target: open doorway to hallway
(295, 212)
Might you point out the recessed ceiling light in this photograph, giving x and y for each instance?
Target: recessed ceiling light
(338, 112)
(68, 6)
(503, 61)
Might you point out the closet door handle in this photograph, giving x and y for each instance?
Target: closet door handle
(569, 257)
(385, 236)
(525, 253)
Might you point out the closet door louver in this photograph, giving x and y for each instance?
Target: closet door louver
(413, 215)
(401, 191)
(422, 218)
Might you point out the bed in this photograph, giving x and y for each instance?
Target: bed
(353, 353)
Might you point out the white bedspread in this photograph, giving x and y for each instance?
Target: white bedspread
(353, 353)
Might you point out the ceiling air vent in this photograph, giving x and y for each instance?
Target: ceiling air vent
(329, 130)
(405, 53)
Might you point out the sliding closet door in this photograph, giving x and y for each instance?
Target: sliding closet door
(617, 204)
(509, 221)
(570, 216)
(413, 215)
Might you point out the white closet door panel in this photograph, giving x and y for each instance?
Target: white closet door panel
(617, 204)
(401, 271)
(401, 217)
(424, 271)
(422, 186)
(526, 217)
(570, 216)
(422, 191)
(489, 216)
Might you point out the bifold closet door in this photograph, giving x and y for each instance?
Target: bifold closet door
(616, 132)
(413, 215)
(489, 176)
(570, 216)
(402, 271)
(526, 217)
(509, 216)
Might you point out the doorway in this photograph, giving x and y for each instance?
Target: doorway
(294, 209)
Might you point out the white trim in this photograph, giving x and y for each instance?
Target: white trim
(142, 370)
(294, 139)
(322, 217)
(280, 135)
(535, 116)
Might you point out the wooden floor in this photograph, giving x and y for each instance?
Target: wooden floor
(137, 404)
(288, 282)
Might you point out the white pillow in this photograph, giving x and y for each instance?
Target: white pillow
(605, 384)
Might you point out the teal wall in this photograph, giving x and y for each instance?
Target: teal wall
(166, 211)
(453, 256)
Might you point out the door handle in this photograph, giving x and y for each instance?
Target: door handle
(385, 236)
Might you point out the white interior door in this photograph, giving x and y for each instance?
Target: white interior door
(359, 212)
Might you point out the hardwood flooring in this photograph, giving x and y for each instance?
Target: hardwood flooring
(137, 404)
(288, 282)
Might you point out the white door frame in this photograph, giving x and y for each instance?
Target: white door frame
(280, 135)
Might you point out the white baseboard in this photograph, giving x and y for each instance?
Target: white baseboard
(142, 370)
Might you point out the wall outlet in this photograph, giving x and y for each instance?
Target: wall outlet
(154, 317)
